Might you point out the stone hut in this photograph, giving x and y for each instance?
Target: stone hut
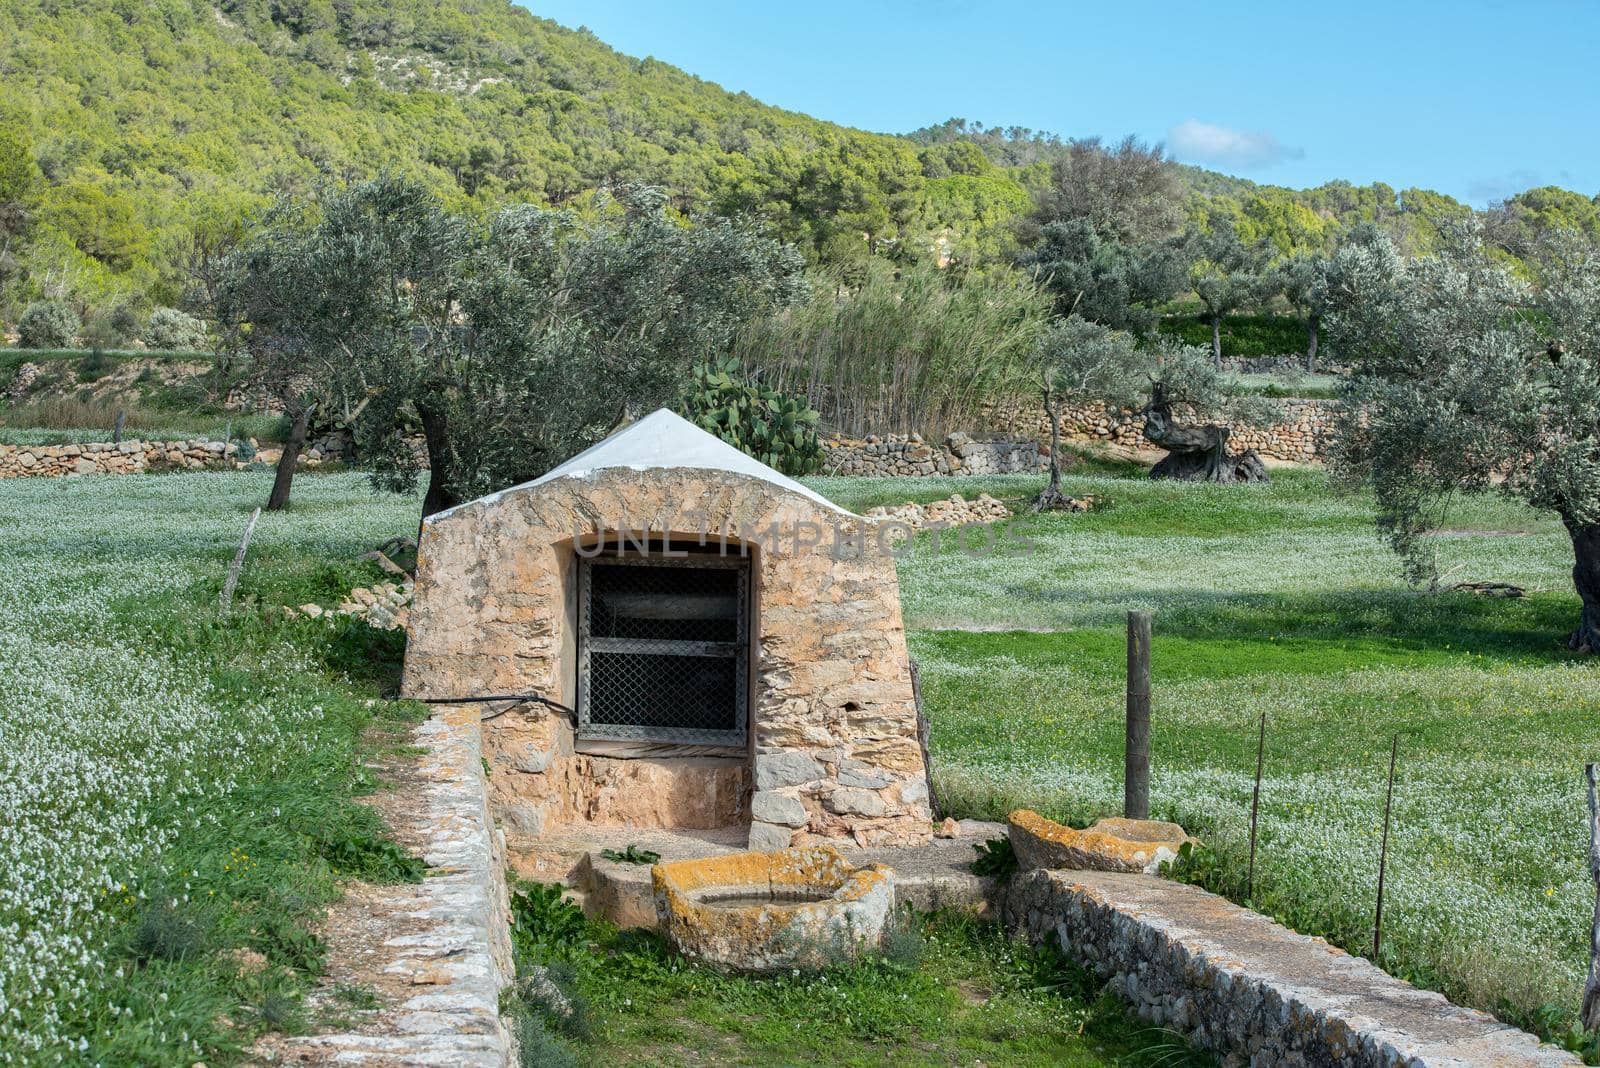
(727, 645)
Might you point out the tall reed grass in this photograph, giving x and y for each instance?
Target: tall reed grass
(917, 349)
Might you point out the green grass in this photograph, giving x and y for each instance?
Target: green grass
(949, 990)
(1281, 599)
(158, 426)
(150, 745)
(1303, 386)
(179, 786)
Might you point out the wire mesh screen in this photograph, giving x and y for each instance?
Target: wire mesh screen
(662, 650)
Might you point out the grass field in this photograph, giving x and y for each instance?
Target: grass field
(176, 787)
(1280, 599)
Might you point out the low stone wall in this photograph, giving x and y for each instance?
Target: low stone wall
(1022, 432)
(104, 458)
(1247, 989)
(138, 457)
(1291, 363)
(1297, 437)
(438, 952)
(959, 454)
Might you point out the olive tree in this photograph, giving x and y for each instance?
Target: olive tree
(1227, 274)
(1187, 405)
(1467, 378)
(333, 297)
(1300, 280)
(508, 343)
(1107, 281)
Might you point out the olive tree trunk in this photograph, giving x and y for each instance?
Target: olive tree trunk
(1586, 577)
(283, 478)
(1052, 497)
(1312, 324)
(1216, 338)
(1197, 453)
(436, 433)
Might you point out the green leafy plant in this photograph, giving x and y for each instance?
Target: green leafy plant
(632, 855)
(996, 858)
(778, 430)
(545, 925)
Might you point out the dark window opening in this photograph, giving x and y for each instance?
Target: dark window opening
(663, 645)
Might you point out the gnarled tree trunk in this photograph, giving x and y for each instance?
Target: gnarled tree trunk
(436, 433)
(1197, 453)
(1313, 322)
(283, 479)
(1586, 577)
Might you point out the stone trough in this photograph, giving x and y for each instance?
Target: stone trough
(762, 912)
(1112, 844)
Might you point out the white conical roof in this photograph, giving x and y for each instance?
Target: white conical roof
(664, 439)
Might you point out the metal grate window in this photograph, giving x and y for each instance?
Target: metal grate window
(662, 652)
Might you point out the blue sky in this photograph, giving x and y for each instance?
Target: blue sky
(1476, 99)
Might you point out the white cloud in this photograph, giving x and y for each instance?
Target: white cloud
(1500, 186)
(1205, 142)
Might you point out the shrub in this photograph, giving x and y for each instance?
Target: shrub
(778, 430)
(537, 1045)
(47, 324)
(111, 328)
(995, 857)
(170, 328)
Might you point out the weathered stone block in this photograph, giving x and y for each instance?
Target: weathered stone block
(851, 801)
(774, 771)
(765, 837)
(1110, 845)
(770, 807)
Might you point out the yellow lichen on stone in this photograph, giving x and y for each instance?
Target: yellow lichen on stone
(1114, 844)
(850, 912)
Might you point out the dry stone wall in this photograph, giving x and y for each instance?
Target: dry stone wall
(139, 457)
(908, 455)
(105, 458)
(1022, 431)
(1296, 437)
(1247, 989)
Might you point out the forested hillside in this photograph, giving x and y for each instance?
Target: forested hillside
(125, 126)
(131, 129)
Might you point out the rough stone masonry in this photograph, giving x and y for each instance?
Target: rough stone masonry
(833, 747)
(1249, 990)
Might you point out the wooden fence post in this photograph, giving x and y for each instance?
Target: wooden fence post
(1383, 854)
(1255, 809)
(225, 602)
(1136, 763)
(1591, 989)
